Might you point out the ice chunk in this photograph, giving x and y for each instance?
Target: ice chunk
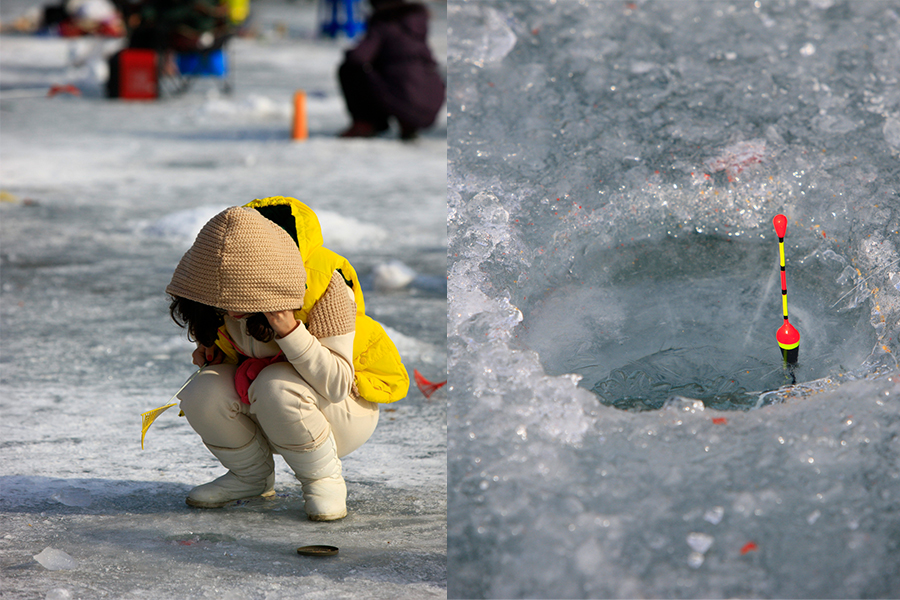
(699, 542)
(714, 515)
(484, 35)
(682, 404)
(73, 497)
(695, 560)
(58, 594)
(55, 560)
(393, 275)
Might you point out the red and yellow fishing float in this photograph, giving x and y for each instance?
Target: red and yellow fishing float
(787, 335)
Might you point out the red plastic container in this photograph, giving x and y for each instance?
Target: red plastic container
(138, 79)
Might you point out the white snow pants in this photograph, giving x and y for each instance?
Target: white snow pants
(287, 410)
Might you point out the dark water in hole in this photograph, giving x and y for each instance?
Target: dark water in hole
(696, 316)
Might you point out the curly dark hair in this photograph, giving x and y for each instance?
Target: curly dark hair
(203, 321)
(259, 328)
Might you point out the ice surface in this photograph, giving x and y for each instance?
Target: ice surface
(613, 179)
(100, 200)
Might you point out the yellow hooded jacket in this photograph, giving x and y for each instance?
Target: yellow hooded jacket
(379, 372)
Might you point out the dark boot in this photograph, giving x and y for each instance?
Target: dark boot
(408, 132)
(359, 129)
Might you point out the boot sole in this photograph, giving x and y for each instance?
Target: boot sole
(333, 517)
(202, 504)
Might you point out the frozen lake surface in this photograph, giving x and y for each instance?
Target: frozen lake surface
(614, 169)
(100, 200)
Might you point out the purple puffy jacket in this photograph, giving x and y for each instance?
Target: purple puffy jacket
(400, 66)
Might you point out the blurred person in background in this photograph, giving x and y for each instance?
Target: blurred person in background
(392, 73)
(179, 25)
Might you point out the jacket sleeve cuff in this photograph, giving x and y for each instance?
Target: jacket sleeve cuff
(296, 343)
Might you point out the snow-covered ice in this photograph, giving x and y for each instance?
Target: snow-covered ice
(613, 172)
(99, 201)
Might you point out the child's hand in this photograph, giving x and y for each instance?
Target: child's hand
(204, 355)
(282, 321)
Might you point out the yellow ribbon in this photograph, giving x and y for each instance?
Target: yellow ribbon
(148, 417)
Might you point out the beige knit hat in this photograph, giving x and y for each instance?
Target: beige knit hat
(243, 262)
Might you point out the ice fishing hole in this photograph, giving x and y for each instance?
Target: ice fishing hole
(696, 317)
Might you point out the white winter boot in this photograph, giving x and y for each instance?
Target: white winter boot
(319, 472)
(251, 473)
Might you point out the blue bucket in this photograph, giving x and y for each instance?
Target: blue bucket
(211, 64)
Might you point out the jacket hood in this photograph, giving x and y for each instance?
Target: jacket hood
(295, 218)
(243, 262)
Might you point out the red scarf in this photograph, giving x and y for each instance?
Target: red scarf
(248, 370)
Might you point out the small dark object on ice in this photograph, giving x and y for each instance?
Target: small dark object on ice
(317, 550)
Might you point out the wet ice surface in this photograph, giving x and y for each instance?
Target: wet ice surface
(100, 201)
(614, 155)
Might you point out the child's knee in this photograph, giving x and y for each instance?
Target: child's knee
(285, 407)
(278, 385)
(210, 397)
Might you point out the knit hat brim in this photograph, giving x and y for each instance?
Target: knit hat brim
(241, 262)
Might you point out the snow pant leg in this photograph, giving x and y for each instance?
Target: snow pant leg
(362, 101)
(214, 409)
(295, 417)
